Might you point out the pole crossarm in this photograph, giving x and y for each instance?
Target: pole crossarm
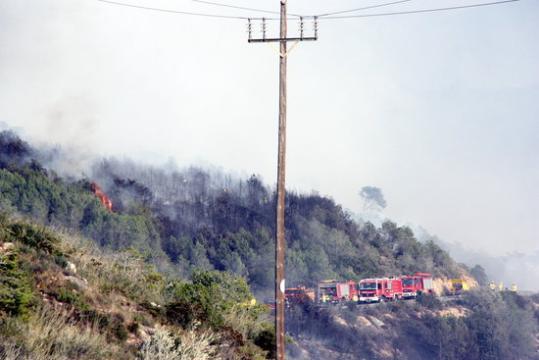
(312, 35)
(283, 39)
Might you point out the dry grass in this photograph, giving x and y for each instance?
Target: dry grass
(10, 351)
(51, 335)
(125, 273)
(245, 320)
(188, 345)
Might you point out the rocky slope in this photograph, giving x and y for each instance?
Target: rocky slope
(63, 298)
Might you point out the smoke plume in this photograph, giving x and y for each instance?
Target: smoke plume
(373, 198)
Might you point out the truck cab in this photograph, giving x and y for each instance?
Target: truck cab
(327, 292)
(458, 286)
(370, 290)
(333, 292)
(412, 285)
(298, 296)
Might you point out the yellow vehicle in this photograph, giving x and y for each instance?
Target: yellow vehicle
(249, 303)
(458, 286)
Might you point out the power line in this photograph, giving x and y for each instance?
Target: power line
(418, 11)
(325, 16)
(240, 7)
(170, 11)
(362, 8)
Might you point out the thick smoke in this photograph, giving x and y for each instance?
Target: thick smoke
(515, 268)
(14, 151)
(373, 198)
(67, 162)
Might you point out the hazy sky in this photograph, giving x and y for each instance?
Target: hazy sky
(439, 110)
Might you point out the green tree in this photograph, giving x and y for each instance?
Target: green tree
(479, 274)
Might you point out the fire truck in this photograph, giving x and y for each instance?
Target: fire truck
(379, 289)
(298, 295)
(416, 284)
(331, 291)
(458, 286)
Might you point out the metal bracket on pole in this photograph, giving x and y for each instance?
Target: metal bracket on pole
(292, 47)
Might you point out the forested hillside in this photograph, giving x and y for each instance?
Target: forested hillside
(166, 273)
(200, 219)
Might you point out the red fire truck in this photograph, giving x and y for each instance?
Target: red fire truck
(416, 284)
(299, 295)
(331, 291)
(379, 289)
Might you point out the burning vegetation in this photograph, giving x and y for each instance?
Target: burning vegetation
(103, 198)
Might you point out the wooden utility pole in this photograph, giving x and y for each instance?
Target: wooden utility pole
(281, 174)
(280, 244)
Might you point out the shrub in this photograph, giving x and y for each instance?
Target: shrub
(184, 313)
(133, 327)
(209, 298)
(70, 296)
(61, 260)
(34, 237)
(123, 273)
(143, 320)
(16, 293)
(190, 345)
(250, 351)
(429, 301)
(100, 320)
(119, 330)
(265, 339)
(50, 335)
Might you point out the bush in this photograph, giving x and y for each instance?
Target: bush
(184, 313)
(265, 339)
(119, 330)
(70, 296)
(208, 298)
(123, 273)
(34, 237)
(16, 292)
(190, 345)
(50, 335)
(430, 301)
